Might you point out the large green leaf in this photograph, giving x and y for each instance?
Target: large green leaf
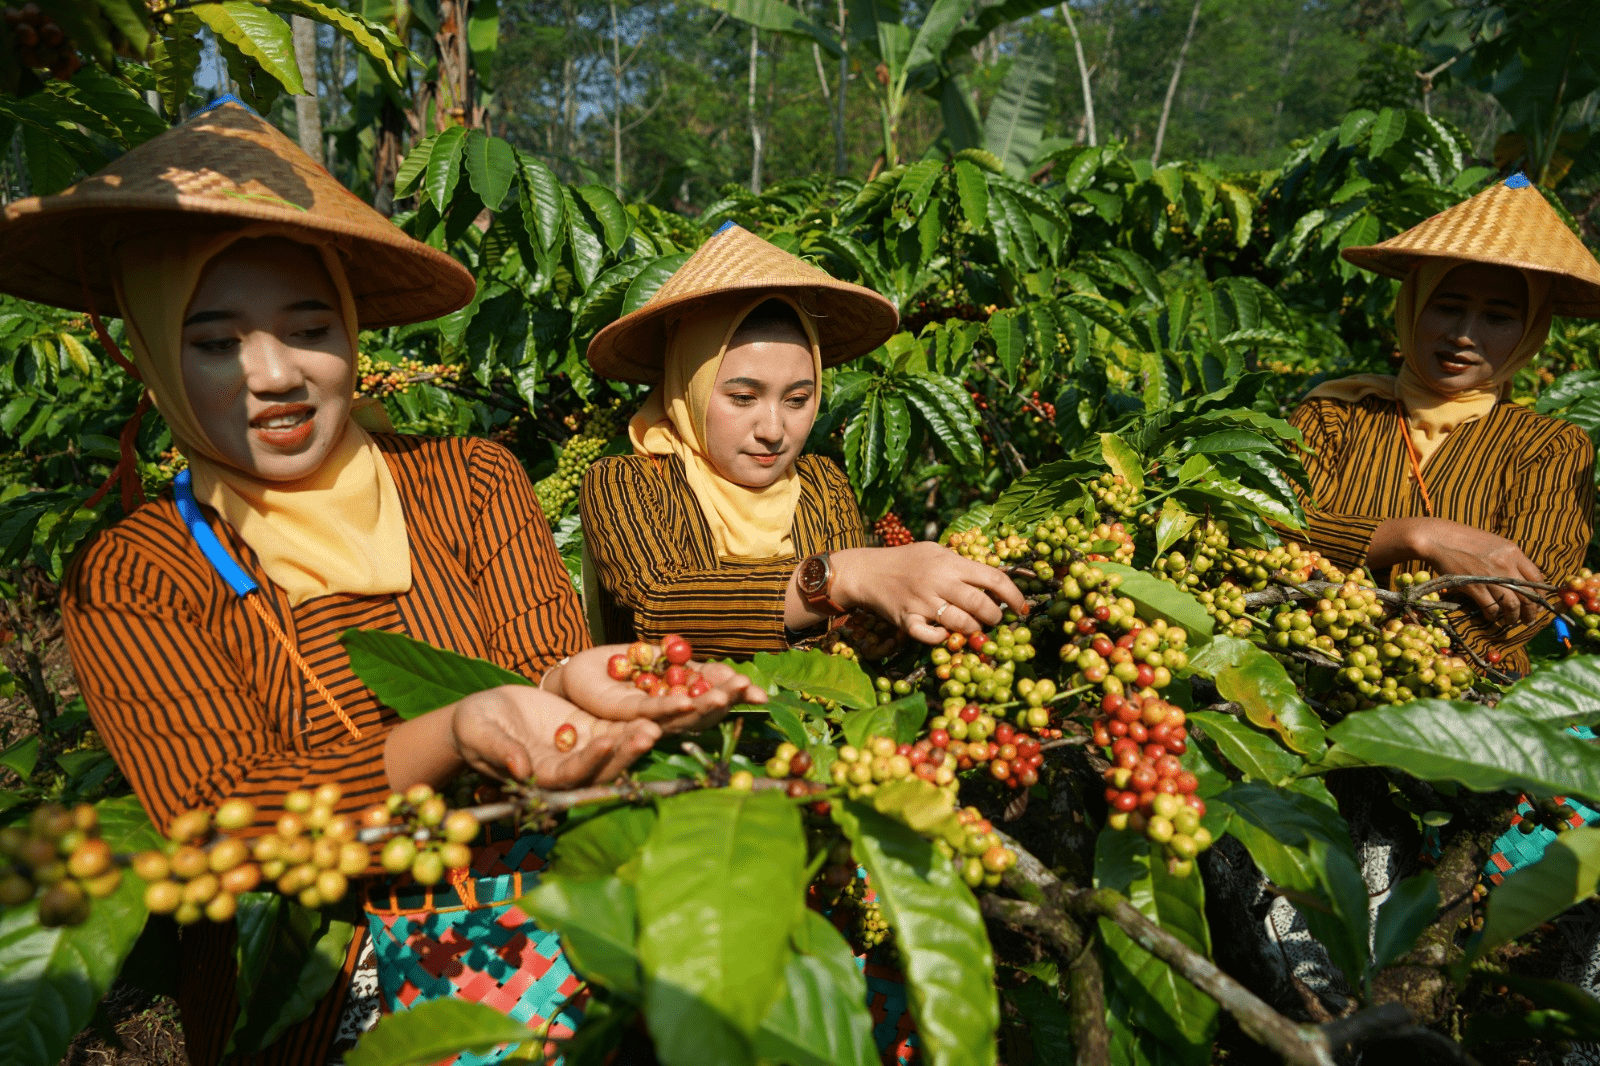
(588, 253)
(306, 956)
(413, 165)
(1565, 876)
(1018, 113)
(1254, 753)
(1567, 692)
(720, 891)
(816, 673)
(821, 1017)
(1248, 676)
(651, 278)
(491, 167)
(944, 948)
(259, 34)
(598, 922)
(375, 40)
(1484, 748)
(1410, 908)
(901, 719)
(774, 16)
(544, 210)
(1159, 599)
(1122, 460)
(972, 189)
(413, 678)
(1163, 1002)
(613, 217)
(433, 1030)
(1039, 492)
(51, 979)
(598, 846)
(442, 171)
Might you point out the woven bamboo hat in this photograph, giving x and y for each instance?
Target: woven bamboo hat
(222, 169)
(1508, 224)
(850, 320)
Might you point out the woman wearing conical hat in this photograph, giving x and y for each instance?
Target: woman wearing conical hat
(1435, 468)
(717, 526)
(204, 626)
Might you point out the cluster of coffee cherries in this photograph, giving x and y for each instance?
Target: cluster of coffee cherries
(971, 842)
(59, 850)
(310, 854)
(384, 379)
(868, 928)
(659, 669)
(1142, 658)
(862, 634)
(982, 666)
(1113, 493)
(40, 41)
(594, 427)
(433, 839)
(972, 738)
(880, 761)
(892, 533)
(1147, 788)
(1580, 595)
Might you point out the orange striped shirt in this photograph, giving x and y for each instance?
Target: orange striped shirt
(658, 566)
(1516, 473)
(199, 702)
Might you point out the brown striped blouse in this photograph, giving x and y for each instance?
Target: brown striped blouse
(199, 703)
(658, 566)
(1517, 473)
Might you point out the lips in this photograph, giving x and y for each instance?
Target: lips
(1454, 362)
(285, 425)
(766, 460)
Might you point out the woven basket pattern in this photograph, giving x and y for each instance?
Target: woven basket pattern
(735, 263)
(224, 168)
(1507, 225)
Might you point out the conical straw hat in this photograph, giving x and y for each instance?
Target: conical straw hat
(850, 320)
(222, 169)
(1508, 224)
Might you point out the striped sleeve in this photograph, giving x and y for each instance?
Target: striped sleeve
(731, 609)
(534, 618)
(1344, 538)
(841, 515)
(173, 707)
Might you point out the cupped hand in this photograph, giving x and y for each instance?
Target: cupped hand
(511, 732)
(586, 682)
(1455, 548)
(925, 588)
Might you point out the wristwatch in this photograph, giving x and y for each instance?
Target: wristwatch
(815, 582)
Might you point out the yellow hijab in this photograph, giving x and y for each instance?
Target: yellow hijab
(1431, 415)
(747, 525)
(340, 529)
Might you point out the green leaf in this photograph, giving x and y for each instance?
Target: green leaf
(1564, 693)
(820, 1018)
(614, 222)
(944, 947)
(412, 677)
(896, 430)
(901, 719)
(1248, 676)
(598, 922)
(1484, 748)
(587, 252)
(259, 34)
(375, 40)
(777, 17)
(307, 955)
(174, 58)
(1049, 1026)
(1010, 342)
(483, 38)
(22, 756)
(436, 1029)
(1019, 111)
(1254, 753)
(1158, 599)
(1387, 129)
(599, 846)
(972, 189)
(1163, 1002)
(1173, 525)
(1039, 492)
(651, 278)
(491, 167)
(1122, 460)
(816, 673)
(545, 212)
(1565, 876)
(787, 718)
(720, 891)
(1410, 908)
(442, 171)
(948, 411)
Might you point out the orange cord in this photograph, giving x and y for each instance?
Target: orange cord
(299, 660)
(1416, 459)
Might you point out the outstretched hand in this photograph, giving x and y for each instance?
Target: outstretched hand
(521, 733)
(1454, 548)
(925, 588)
(585, 681)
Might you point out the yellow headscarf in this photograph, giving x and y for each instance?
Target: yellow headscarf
(340, 529)
(1431, 415)
(747, 525)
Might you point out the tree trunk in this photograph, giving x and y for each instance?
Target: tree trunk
(616, 102)
(1083, 75)
(1172, 86)
(756, 144)
(839, 161)
(307, 109)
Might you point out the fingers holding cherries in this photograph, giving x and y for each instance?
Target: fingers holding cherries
(659, 682)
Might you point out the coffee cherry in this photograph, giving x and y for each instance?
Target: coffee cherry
(428, 868)
(398, 854)
(566, 737)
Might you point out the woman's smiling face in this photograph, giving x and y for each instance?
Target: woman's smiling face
(762, 407)
(267, 361)
(1470, 326)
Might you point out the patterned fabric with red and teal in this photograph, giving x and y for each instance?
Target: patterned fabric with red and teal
(893, 1029)
(1524, 843)
(468, 940)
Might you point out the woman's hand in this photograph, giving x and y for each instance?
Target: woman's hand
(510, 732)
(585, 681)
(910, 584)
(1454, 548)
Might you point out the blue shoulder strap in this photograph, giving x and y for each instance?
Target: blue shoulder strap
(224, 564)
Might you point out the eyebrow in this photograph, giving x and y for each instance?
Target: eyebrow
(754, 384)
(202, 317)
(1463, 296)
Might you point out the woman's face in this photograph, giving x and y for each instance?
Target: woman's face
(1470, 326)
(267, 364)
(762, 407)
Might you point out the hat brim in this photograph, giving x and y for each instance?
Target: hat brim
(1570, 296)
(393, 278)
(850, 322)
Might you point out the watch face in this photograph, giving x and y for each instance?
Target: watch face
(813, 574)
